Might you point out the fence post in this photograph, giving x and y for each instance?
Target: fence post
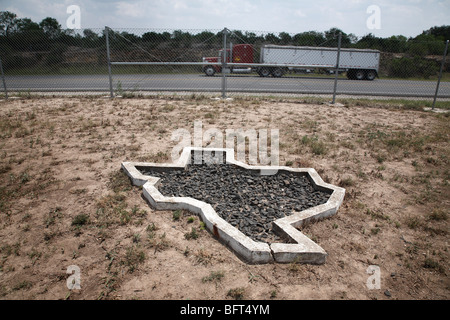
(108, 57)
(440, 74)
(336, 73)
(224, 63)
(3, 79)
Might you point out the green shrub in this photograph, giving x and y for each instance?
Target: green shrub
(413, 67)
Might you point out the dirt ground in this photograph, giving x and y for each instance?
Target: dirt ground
(65, 202)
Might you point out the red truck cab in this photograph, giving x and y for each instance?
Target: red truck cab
(239, 53)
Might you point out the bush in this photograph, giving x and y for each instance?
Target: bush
(412, 67)
(56, 55)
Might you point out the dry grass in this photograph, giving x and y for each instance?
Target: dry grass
(64, 201)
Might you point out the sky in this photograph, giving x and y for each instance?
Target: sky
(383, 18)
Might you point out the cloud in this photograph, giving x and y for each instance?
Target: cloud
(406, 17)
(127, 9)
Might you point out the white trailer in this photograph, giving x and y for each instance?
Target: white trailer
(359, 64)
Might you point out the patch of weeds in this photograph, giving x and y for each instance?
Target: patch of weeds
(23, 132)
(24, 177)
(214, 276)
(156, 158)
(346, 182)
(412, 248)
(376, 135)
(51, 216)
(151, 227)
(80, 220)
(158, 243)
(124, 215)
(34, 255)
(361, 174)
(49, 236)
(236, 293)
(133, 257)
(191, 235)
(209, 115)
(380, 157)
(136, 238)
(138, 212)
(413, 222)
(167, 108)
(438, 214)
(7, 249)
(25, 284)
(431, 264)
(112, 209)
(119, 182)
(310, 125)
(8, 125)
(375, 231)
(190, 220)
(5, 168)
(377, 215)
(295, 265)
(348, 145)
(317, 147)
(252, 277)
(176, 215)
(203, 257)
(78, 191)
(432, 161)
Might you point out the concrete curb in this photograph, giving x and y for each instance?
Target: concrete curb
(299, 248)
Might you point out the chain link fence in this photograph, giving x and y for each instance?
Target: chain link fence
(223, 62)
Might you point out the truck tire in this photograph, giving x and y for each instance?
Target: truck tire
(264, 72)
(360, 75)
(209, 71)
(371, 75)
(277, 72)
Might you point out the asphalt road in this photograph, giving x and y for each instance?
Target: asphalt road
(234, 83)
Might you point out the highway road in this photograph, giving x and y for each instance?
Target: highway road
(234, 83)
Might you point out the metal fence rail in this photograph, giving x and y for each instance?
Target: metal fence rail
(226, 62)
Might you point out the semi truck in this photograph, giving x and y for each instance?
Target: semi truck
(276, 60)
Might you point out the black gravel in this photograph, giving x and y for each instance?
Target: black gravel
(243, 198)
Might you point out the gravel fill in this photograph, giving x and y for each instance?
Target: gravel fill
(244, 198)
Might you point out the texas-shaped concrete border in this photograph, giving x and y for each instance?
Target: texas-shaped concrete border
(298, 248)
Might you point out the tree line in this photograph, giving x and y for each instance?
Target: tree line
(24, 35)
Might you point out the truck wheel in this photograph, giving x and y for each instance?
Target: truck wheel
(277, 72)
(209, 71)
(371, 75)
(264, 72)
(360, 75)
